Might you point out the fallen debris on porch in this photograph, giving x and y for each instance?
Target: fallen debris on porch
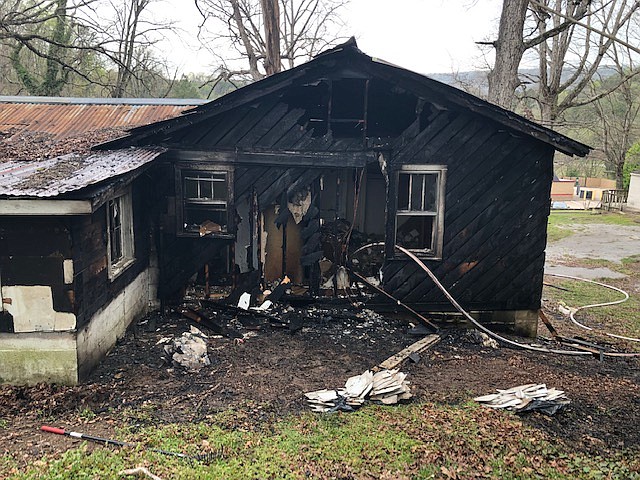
(386, 386)
(525, 398)
(189, 350)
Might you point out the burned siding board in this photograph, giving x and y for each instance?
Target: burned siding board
(263, 126)
(490, 183)
(211, 136)
(265, 181)
(429, 150)
(280, 129)
(22, 236)
(490, 174)
(414, 147)
(464, 145)
(191, 134)
(292, 137)
(256, 113)
(250, 175)
(280, 186)
(493, 239)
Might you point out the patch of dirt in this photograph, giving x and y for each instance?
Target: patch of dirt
(266, 376)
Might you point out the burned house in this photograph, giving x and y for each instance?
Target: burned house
(291, 174)
(77, 252)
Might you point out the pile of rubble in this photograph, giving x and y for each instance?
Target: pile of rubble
(386, 386)
(525, 398)
(188, 350)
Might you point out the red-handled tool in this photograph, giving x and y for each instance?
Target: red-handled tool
(108, 441)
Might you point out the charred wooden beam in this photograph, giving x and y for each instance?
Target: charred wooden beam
(208, 322)
(280, 158)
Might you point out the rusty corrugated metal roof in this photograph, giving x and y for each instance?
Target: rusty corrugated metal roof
(49, 178)
(62, 117)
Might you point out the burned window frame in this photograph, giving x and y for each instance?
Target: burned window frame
(120, 230)
(434, 252)
(182, 203)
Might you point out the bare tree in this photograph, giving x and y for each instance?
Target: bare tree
(105, 43)
(127, 32)
(617, 115)
(56, 74)
(45, 42)
(516, 36)
(570, 38)
(253, 28)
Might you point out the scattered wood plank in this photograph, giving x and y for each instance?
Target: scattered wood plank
(417, 347)
(549, 325)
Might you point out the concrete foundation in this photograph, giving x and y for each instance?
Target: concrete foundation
(30, 358)
(110, 322)
(65, 357)
(520, 322)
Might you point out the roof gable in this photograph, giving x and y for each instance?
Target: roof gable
(344, 61)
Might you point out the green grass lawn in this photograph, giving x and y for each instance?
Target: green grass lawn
(415, 441)
(621, 319)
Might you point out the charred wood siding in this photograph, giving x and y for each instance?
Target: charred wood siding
(496, 208)
(93, 288)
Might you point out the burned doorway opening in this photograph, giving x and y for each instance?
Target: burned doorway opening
(306, 230)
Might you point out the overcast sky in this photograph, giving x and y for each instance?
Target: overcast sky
(427, 36)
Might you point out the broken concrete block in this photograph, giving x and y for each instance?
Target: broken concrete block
(189, 350)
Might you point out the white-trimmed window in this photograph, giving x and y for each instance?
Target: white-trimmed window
(204, 198)
(120, 251)
(420, 209)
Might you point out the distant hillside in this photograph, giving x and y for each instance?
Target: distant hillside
(475, 81)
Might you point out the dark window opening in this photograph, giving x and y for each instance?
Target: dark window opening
(115, 230)
(347, 129)
(347, 99)
(415, 233)
(204, 202)
(314, 99)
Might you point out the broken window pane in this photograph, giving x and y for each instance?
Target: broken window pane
(403, 192)
(120, 247)
(418, 215)
(415, 232)
(430, 192)
(115, 231)
(205, 186)
(417, 192)
(205, 196)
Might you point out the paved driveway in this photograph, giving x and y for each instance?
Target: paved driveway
(594, 241)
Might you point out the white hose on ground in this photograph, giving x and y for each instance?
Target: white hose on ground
(604, 304)
(481, 327)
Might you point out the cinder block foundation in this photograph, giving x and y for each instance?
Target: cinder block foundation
(65, 357)
(520, 322)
